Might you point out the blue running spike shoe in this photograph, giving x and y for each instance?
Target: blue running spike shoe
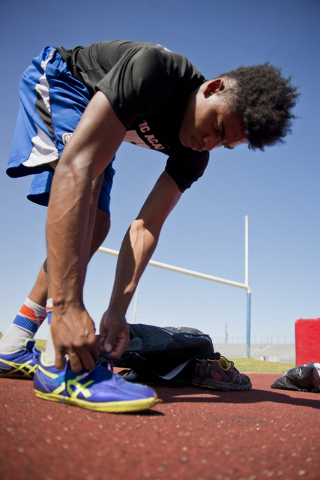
(124, 384)
(98, 390)
(21, 363)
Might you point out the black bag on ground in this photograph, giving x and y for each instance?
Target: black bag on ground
(305, 378)
(165, 355)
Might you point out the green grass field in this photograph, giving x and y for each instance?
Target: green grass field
(242, 364)
(41, 345)
(260, 366)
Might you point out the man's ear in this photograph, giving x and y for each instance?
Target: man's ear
(213, 86)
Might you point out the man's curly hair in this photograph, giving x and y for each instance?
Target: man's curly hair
(264, 99)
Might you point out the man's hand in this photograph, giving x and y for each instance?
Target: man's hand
(114, 333)
(73, 333)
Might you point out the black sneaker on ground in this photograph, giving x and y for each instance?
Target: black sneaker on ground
(219, 373)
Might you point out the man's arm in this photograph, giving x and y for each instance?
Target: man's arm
(137, 248)
(69, 230)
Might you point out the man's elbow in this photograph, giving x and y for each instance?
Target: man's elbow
(140, 226)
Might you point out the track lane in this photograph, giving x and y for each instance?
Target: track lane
(195, 434)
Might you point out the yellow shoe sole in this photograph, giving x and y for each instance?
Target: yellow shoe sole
(110, 407)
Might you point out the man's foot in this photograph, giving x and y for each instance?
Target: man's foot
(220, 374)
(98, 390)
(21, 363)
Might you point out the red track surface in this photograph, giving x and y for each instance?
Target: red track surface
(195, 434)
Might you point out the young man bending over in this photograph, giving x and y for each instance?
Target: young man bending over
(77, 107)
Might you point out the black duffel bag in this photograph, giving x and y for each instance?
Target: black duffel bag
(165, 355)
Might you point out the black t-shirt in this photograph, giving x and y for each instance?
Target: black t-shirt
(148, 86)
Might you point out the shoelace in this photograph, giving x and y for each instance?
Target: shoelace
(65, 380)
(110, 362)
(35, 352)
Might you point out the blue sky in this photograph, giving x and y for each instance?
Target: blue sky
(278, 189)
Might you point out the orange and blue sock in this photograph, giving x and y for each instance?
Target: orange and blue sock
(24, 326)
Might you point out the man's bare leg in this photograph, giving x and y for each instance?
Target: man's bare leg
(39, 292)
(34, 306)
(101, 229)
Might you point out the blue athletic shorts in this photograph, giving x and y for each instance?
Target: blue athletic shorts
(39, 191)
(52, 102)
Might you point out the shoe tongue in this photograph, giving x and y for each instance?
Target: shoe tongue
(29, 344)
(224, 363)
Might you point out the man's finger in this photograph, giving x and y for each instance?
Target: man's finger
(60, 359)
(100, 339)
(110, 341)
(75, 362)
(118, 348)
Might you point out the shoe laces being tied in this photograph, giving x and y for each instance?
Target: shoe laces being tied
(109, 362)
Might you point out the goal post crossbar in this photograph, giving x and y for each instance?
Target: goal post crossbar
(172, 268)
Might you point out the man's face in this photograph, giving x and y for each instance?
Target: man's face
(209, 121)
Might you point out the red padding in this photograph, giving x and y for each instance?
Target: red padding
(307, 341)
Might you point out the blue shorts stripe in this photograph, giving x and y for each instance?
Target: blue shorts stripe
(26, 324)
(47, 90)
